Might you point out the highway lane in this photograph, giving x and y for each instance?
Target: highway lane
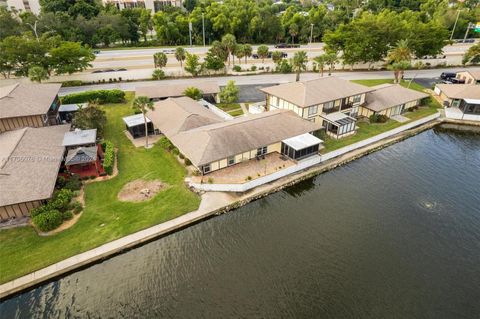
(261, 79)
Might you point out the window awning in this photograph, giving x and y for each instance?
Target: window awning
(338, 118)
(472, 101)
(302, 141)
(134, 120)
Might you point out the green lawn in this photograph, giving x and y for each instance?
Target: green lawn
(104, 218)
(367, 130)
(236, 112)
(228, 106)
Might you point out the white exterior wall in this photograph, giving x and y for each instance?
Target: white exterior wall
(25, 5)
(148, 4)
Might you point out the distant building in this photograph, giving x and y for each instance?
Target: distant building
(28, 105)
(469, 76)
(154, 5)
(23, 5)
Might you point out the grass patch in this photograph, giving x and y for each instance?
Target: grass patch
(236, 112)
(228, 106)
(105, 218)
(374, 82)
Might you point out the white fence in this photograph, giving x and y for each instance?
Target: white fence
(216, 110)
(379, 137)
(311, 161)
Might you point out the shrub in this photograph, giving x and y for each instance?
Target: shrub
(237, 68)
(253, 68)
(73, 183)
(181, 156)
(284, 66)
(210, 180)
(60, 200)
(38, 210)
(72, 83)
(158, 74)
(76, 207)
(378, 118)
(165, 144)
(67, 215)
(187, 162)
(99, 96)
(249, 178)
(48, 220)
(109, 159)
(61, 181)
(175, 151)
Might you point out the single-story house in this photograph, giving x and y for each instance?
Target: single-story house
(462, 97)
(209, 90)
(78, 137)
(135, 125)
(390, 100)
(212, 143)
(30, 159)
(320, 100)
(66, 112)
(28, 105)
(470, 76)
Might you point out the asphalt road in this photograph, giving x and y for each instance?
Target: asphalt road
(262, 79)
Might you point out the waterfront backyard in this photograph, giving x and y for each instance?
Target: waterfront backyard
(104, 218)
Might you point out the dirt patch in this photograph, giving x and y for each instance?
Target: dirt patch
(140, 190)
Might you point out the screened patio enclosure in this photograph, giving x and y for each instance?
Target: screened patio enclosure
(301, 146)
(339, 125)
(136, 126)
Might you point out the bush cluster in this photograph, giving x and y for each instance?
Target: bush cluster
(378, 118)
(237, 68)
(166, 144)
(72, 83)
(51, 215)
(73, 183)
(109, 158)
(98, 96)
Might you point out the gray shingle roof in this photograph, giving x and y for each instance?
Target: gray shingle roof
(81, 155)
(318, 91)
(30, 169)
(26, 99)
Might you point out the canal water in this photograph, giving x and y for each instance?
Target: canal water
(395, 234)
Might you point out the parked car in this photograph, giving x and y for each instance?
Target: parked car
(121, 69)
(97, 71)
(286, 45)
(96, 51)
(448, 75)
(269, 55)
(168, 51)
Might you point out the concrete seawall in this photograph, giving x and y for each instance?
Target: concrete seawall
(212, 203)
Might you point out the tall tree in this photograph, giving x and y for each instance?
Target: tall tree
(247, 48)
(399, 59)
(229, 93)
(70, 57)
(472, 55)
(145, 23)
(160, 60)
(299, 63)
(229, 42)
(240, 52)
(144, 104)
(91, 117)
(320, 60)
(262, 52)
(37, 74)
(192, 64)
(180, 55)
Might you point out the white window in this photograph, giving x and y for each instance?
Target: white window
(261, 151)
(231, 160)
(328, 105)
(357, 98)
(206, 168)
(312, 110)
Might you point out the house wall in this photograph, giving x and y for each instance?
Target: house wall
(13, 123)
(18, 210)
(214, 166)
(466, 76)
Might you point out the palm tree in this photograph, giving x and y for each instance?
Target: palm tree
(293, 30)
(398, 59)
(229, 42)
(240, 52)
(299, 63)
(321, 61)
(247, 49)
(180, 55)
(144, 104)
(330, 60)
(160, 60)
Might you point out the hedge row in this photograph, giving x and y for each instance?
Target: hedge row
(109, 158)
(100, 96)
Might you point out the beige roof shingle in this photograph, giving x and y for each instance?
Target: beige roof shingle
(174, 90)
(175, 115)
(213, 142)
(474, 73)
(385, 97)
(318, 91)
(26, 99)
(460, 91)
(30, 166)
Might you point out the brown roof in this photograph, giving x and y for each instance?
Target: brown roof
(175, 115)
(30, 166)
(217, 141)
(385, 97)
(174, 90)
(318, 91)
(26, 99)
(460, 91)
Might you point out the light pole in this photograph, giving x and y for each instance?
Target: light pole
(470, 26)
(203, 28)
(311, 33)
(455, 24)
(190, 32)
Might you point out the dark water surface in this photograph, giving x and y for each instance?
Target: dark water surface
(395, 234)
